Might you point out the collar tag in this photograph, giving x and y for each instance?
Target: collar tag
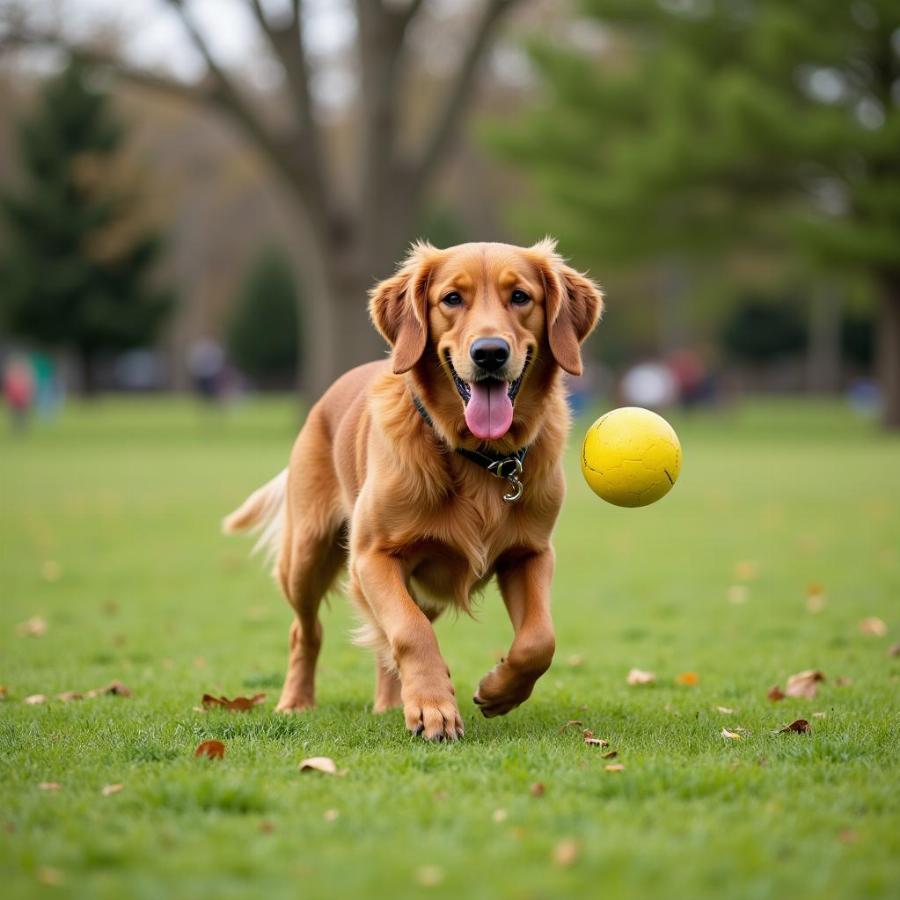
(510, 469)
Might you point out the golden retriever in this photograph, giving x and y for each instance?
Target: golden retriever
(432, 471)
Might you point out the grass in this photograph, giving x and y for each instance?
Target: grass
(110, 532)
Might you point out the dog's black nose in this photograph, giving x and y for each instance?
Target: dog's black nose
(490, 353)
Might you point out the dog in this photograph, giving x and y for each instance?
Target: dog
(430, 472)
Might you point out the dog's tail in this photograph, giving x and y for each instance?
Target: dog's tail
(263, 514)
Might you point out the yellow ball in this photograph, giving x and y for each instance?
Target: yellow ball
(631, 457)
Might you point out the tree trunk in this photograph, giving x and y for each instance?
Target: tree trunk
(889, 349)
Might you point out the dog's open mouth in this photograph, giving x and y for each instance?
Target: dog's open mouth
(488, 401)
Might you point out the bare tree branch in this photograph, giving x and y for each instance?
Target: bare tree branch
(458, 97)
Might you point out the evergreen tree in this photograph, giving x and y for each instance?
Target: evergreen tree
(264, 334)
(76, 270)
(716, 124)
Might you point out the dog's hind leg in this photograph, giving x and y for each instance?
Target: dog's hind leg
(312, 554)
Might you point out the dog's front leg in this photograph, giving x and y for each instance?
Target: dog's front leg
(525, 586)
(429, 702)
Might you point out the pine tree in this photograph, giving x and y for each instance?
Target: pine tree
(717, 124)
(77, 267)
(264, 334)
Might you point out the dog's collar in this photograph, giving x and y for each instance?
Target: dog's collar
(508, 466)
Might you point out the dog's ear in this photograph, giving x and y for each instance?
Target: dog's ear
(399, 307)
(573, 303)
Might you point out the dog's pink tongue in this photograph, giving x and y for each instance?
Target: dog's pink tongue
(489, 412)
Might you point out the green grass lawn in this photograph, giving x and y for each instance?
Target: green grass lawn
(110, 533)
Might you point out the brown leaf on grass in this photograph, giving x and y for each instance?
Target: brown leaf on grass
(893, 650)
(210, 749)
(537, 789)
(848, 836)
(575, 661)
(731, 735)
(69, 696)
(639, 676)
(687, 678)
(500, 815)
(611, 755)
(50, 877)
(114, 688)
(331, 815)
(4, 692)
(566, 852)
(738, 594)
(239, 704)
(36, 626)
(49, 786)
(799, 726)
(725, 710)
(266, 826)
(34, 699)
(775, 693)
(319, 764)
(429, 876)
(804, 684)
(815, 598)
(746, 570)
(614, 767)
(873, 626)
(594, 741)
(572, 723)
(110, 789)
(843, 681)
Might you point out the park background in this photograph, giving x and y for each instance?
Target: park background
(194, 199)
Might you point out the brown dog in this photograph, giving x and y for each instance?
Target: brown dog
(413, 470)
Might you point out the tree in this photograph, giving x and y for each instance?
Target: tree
(264, 332)
(351, 226)
(717, 125)
(77, 268)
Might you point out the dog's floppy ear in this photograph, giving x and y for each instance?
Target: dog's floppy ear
(399, 307)
(573, 303)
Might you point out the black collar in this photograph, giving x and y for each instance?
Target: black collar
(508, 466)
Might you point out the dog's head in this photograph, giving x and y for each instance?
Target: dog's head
(490, 313)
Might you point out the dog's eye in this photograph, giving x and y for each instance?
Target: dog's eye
(519, 298)
(452, 299)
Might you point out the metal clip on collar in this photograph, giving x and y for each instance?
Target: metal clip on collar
(510, 469)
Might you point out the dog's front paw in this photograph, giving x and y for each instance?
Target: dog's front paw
(431, 711)
(502, 690)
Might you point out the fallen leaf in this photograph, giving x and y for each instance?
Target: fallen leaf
(800, 726)
(611, 755)
(330, 815)
(50, 877)
(319, 764)
(114, 688)
(804, 684)
(4, 692)
(815, 598)
(537, 789)
(731, 735)
(725, 710)
(893, 650)
(873, 626)
(34, 699)
(110, 789)
(500, 815)
(239, 704)
(843, 681)
(212, 749)
(746, 570)
(267, 826)
(51, 570)
(36, 626)
(69, 696)
(639, 676)
(575, 661)
(49, 786)
(775, 693)
(738, 594)
(566, 852)
(614, 767)
(595, 741)
(687, 678)
(572, 723)
(429, 876)
(848, 836)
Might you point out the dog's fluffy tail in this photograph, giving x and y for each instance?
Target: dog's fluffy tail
(263, 514)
